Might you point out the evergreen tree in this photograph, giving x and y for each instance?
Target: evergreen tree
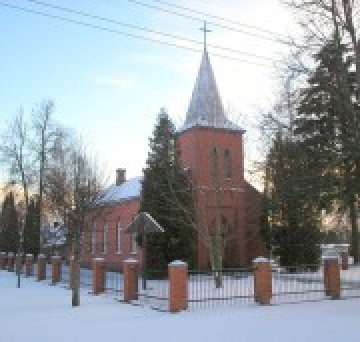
(291, 219)
(32, 228)
(328, 127)
(167, 196)
(9, 233)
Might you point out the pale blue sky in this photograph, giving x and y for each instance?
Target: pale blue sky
(110, 88)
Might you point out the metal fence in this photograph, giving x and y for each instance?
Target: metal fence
(298, 284)
(220, 287)
(114, 282)
(155, 293)
(350, 281)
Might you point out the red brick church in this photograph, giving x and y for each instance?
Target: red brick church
(211, 148)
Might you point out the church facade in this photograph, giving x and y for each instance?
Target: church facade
(211, 149)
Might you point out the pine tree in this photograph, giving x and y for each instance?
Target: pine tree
(291, 218)
(32, 228)
(9, 233)
(328, 126)
(167, 197)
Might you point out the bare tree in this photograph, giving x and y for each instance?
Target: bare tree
(14, 152)
(44, 137)
(75, 185)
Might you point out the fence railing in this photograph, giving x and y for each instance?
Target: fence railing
(350, 281)
(297, 284)
(212, 288)
(156, 293)
(220, 287)
(114, 281)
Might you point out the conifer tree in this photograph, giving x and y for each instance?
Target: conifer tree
(9, 232)
(32, 228)
(167, 196)
(291, 218)
(328, 126)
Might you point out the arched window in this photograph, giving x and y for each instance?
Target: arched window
(214, 162)
(118, 238)
(93, 239)
(105, 239)
(227, 163)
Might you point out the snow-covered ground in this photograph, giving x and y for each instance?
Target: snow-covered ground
(39, 312)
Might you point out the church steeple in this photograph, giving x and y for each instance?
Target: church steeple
(206, 108)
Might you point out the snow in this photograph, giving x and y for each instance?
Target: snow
(131, 261)
(260, 260)
(44, 314)
(178, 263)
(127, 190)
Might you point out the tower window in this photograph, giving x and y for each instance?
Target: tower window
(105, 239)
(93, 239)
(118, 238)
(227, 164)
(214, 159)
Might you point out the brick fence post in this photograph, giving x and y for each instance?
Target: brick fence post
(332, 277)
(29, 268)
(2, 260)
(344, 261)
(262, 281)
(41, 267)
(98, 275)
(55, 269)
(131, 279)
(178, 286)
(10, 262)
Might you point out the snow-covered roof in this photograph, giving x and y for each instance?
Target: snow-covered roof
(206, 108)
(128, 190)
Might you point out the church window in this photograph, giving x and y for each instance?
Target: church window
(93, 239)
(105, 239)
(214, 158)
(227, 163)
(118, 238)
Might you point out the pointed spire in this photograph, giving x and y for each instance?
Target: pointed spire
(206, 108)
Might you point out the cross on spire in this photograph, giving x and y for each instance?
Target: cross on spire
(205, 30)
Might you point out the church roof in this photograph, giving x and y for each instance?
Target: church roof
(206, 108)
(128, 190)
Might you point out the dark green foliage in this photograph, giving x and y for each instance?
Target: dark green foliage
(291, 218)
(328, 126)
(9, 230)
(32, 228)
(167, 196)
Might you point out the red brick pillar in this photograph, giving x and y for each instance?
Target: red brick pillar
(10, 262)
(131, 279)
(98, 275)
(178, 286)
(41, 267)
(2, 260)
(262, 281)
(344, 260)
(55, 269)
(29, 262)
(332, 277)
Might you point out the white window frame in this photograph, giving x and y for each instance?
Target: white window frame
(118, 238)
(105, 238)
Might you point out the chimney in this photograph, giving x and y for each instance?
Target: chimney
(120, 176)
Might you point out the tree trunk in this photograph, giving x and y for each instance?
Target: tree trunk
(353, 215)
(75, 285)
